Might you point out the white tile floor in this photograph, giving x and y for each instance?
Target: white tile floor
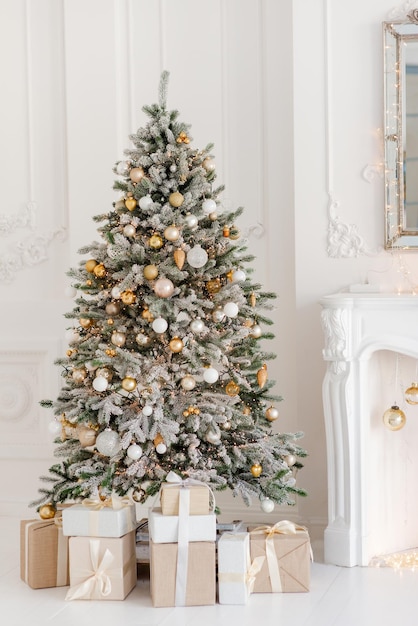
(338, 597)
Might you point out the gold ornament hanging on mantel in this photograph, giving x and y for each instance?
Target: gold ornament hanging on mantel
(394, 418)
(411, 394)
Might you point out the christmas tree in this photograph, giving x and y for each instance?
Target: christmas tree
(166, 369)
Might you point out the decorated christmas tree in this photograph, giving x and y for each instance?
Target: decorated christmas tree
(166, 369)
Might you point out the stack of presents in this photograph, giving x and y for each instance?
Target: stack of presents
(94, 547)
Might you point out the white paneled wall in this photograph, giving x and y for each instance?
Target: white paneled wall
(290, 93)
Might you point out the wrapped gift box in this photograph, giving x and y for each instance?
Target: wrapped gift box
(83, 520)
(201, 574)
(289, 569)
(102, 568)
(234, 583)
(199, 499)
(43, 554)
(165, 528)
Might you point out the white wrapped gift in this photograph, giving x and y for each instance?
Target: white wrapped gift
(96, 518)
(165, 528)
(236, 573)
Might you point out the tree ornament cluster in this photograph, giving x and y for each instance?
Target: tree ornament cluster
(166, 368)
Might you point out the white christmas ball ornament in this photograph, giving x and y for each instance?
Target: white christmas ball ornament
(164, 287)
(188, 382)
(197, 257)
(108, 442)
(290, 459)
(213, 438)
(197, 326)
(72, 336)
(54, 428)
(160, 325)
(116, 293)
(210, 375)
(161, 448)
(208, 206)
(231, 309)
(267, 505)
(145, 202)
(134, 452)
(129, 230)
(147, 410)
(122, 168)
(100, 383)
(191, 221)
(70, 292)
(238, 276)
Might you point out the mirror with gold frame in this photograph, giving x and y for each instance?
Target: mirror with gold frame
(401, 132)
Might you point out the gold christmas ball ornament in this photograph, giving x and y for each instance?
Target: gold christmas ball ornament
(118, 339)
(158, 439)
(172, 233)
(214, 285)
(176, 199)
(79, 374)
(47, 511)
(272, 414)
(86, 436)
(232, 389)
(246, 410)
(85, 322)
(128, 296)
(156, 241)
(136, 174)
(110, 321)
(262, 376)
(90, 265)
(256, 470)
(113, 308)
(150, 272)
(147, 315)
(129, 383)
(176, 345)
(394, 418)
(179, 258)
(130, 204)
(411, 394)
(99, 270)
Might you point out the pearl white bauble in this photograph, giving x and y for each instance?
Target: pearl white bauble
(147, 410)
(161, 448)
(70, 292)
(122, 168)
(191, 221)
(197, 326)
(256, 331)
(116, 292)
(213, 438)
(238, 276)
(197, 257)
(145, 202)
(108, 442)
(134, 452)
(171, 233)
(54, 428)
(231, 309)
(79, 374)
(129, 230)
(173, 168)
(118, 339)
(159, 325)
(218, 315)
(209, 164)
(164, 287)
(208, 206)
(100, 383)
(290, 459)
(210, 375)
(188, 382)
(136, 174)
(267, 505)
(72, 336)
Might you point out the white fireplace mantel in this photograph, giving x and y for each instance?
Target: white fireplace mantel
(356, 326)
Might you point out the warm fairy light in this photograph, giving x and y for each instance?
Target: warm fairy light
(397, 560)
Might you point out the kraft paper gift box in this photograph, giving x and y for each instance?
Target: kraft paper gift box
(199, 580)
(102, 568)
(165, 528)
(287, 549)
(43, 554)
(94, 518)
(236, 573)
(199, 499)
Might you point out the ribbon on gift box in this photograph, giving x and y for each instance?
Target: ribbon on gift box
(174, 480)
(97, 578)
(284, 527)
(114, 502)
(62, 549)
(247, 577)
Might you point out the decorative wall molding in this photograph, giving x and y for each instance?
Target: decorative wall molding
(25, 218)
(401, 11)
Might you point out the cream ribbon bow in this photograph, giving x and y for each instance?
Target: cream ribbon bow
(174, 480)
(114, 502)
(284, 527)
(247, 577)
(97, 578)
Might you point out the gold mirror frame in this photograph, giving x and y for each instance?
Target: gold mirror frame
(397, 37)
